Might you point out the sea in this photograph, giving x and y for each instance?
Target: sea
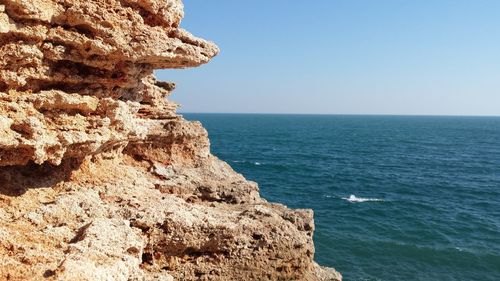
(394, 197)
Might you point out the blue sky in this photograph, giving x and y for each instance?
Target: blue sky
(431, 57)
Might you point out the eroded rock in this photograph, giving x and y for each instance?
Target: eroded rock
(100, 179)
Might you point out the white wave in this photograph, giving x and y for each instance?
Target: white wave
(354, 199)
(243, 161)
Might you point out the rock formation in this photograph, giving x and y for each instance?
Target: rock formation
(100, 179)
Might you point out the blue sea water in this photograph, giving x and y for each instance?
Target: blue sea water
(425, 201)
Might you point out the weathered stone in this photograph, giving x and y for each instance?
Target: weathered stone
(100, 179)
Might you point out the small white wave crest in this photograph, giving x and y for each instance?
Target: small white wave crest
(354, 199)
(247, 162)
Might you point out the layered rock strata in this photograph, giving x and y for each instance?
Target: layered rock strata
(100, 179)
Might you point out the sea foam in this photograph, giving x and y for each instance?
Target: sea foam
(354, 199)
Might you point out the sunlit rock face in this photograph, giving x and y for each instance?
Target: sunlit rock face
(76, 76)
(100, 179)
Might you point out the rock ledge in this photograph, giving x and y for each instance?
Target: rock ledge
(101, 179)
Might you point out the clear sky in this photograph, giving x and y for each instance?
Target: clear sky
(432, 57)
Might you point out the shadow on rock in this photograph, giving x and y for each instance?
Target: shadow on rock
(16, 180)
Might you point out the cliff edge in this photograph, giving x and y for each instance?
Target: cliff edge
(100, 179)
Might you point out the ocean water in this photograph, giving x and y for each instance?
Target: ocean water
(395, 198)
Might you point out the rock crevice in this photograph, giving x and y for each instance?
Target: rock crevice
(101, 179)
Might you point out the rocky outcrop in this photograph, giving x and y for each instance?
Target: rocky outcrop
(100, 179)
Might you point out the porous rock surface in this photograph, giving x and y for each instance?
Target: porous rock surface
(100, 179)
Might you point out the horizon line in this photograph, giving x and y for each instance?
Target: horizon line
(345, 114)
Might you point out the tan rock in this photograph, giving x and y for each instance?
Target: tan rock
(100, 179)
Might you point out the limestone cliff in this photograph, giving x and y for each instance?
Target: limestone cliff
(100, 179)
